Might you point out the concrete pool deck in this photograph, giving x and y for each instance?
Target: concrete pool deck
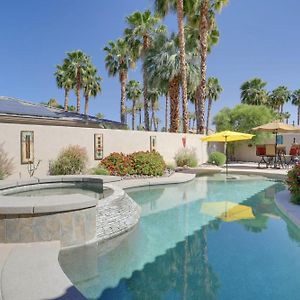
(26, 275)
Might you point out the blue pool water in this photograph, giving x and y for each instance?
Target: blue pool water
(178, 252)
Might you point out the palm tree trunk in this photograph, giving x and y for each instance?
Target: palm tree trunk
(203, 31)
(123, 77)
(208, 115)
(78, 85)
(133, 114)
(174, 104)
(146, 44)
(140, 113)
(298, 117)
(281, 108)
(166, 112)
(185, 118)
(86, 107)
(66, 104)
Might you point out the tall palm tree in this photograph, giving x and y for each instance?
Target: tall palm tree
(296, 101)
(133, 93)
(162, 7)
(76, 63)
(162, 64)
(91, 85)
(118, 60)
(253, 92)
(139, 108)
(213, 91)
(64, 81)
(206, 23)
(141, 27)
(278, 97)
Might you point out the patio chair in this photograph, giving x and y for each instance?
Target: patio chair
(261, 152)
(294, 154)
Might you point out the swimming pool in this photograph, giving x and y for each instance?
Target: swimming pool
(179, 252)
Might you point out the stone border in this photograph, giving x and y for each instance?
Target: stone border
(289, 209)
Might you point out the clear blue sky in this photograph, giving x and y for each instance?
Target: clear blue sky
(258, 38)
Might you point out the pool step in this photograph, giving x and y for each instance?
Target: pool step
(119, 216)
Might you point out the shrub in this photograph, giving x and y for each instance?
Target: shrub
(6, 164)
(170, 166)
(100, 171)
(186, 157)
(117, 164)
(293, 182)
(71, 161)
(147, 163)
(217, 158)
(138, 163)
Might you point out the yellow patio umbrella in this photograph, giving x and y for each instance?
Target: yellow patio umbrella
(225, 137)
(227, 211)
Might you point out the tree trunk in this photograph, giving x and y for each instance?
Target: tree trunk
(78, 85)
(201, 91)
(86, 107)
(133, 114)
(281, 108)
(298, 117)
(174, 104)
(146, 44)
(140, 113)
(208, 115)
(166, 112)
(123, 78)
(66, 104)
(185, 118)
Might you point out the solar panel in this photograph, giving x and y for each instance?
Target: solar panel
(16, 107)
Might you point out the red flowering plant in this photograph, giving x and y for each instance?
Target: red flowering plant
(293, 182)
(117, 164)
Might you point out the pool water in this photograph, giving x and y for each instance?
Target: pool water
(178, 252)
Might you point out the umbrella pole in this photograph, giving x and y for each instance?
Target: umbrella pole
(275, 159)
(226, 153)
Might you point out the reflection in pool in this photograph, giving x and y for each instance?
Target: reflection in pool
(177, 252)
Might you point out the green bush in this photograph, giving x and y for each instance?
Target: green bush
(186, 157)
(147, 163)
(170, 166)
(99, 171)
(117, 164)
(217, 158)
(6, 164)
(293, 182)
(71, 161)
(138, 163)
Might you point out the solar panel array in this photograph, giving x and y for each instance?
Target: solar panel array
(13, 106)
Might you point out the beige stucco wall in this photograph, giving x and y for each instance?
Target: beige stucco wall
(245, 153)
(50, 140)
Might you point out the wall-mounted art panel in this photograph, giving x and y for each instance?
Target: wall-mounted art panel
(27, 147)
(98, 146)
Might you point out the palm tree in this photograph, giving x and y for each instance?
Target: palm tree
(253, 93)
(118, 60)
(139, 108)
(162, 7)
(162, 64)
(64, 81)
(91, 85)
(213, 91)
(133, 93)
(76, 64)
(141, 27)
(207, 9)
(100, 116)
(278, 97)
(153, 95)
(296, 101)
